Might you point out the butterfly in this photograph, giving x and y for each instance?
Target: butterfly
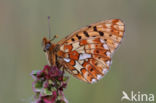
(87, 52)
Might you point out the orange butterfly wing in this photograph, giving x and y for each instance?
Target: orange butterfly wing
(87, 52)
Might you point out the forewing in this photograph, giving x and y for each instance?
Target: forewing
(87, 52)
(111, 31)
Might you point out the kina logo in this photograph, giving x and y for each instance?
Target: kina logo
(137, 97)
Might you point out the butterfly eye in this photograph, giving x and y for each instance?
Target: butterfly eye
(48, 45)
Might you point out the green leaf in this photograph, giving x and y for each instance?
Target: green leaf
(47, 92)
(65, 78)
(53, 89)
(38, 84)
(60, 101)
(50, 81)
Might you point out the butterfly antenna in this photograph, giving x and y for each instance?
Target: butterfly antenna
(49, 28)
(55, 36)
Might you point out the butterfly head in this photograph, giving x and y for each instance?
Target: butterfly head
(46, 44)
(49, 49)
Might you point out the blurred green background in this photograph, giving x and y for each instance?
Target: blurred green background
(23, 24)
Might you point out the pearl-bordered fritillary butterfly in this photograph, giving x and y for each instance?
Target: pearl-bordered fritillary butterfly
(86, 53)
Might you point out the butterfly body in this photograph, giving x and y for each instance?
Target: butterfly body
(86, 53)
